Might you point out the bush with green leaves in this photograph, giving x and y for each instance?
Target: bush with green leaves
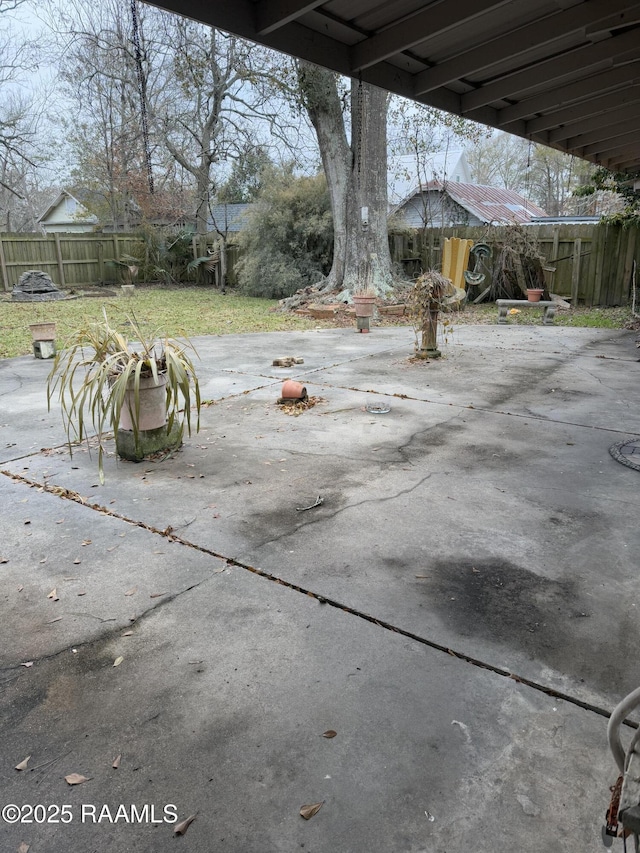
(288, 243)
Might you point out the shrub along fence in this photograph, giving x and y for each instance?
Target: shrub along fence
(593, 263)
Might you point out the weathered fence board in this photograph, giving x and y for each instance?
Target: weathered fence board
(593, 263)
(72, 260)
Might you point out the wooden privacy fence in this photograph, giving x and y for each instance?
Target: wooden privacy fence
(72, 260)
(593, 263)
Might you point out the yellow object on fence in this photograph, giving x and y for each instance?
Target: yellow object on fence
(455, 258)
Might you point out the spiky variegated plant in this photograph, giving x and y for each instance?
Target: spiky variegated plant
(99, 365)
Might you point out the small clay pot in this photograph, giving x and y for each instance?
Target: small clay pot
(534, 294)
(292, 390)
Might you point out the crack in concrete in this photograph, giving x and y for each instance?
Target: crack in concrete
(65, 494)
(166, 599)
(330, 516)
(481, 410)
(17, 387)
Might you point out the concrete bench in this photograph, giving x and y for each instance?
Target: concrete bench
(505, 304)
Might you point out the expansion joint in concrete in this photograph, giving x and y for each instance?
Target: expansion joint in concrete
(169, 534)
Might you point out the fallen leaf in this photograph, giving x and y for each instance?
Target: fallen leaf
(132, 591)
(157, 594)
(183, 826)
(86, 542)
(82, 592)
(28, 521)
(57, 619)
(53, 595)
(20, 588)
(23, 848)
(23, 763)
(118, 660)
(43, 560)
(4, 559)
(475, 571)
(27, 664)
(76, 562)
(127, 634)
(330, 733)
(75, 779)
(116, 761)
(308, 811)
(60, 521)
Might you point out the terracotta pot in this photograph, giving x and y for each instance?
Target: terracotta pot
(153, 405)
(534, 294)
(43, 331)
(292, 390)
(364, 305)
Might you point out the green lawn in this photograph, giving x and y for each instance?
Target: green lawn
(189, 311)
(172, 311)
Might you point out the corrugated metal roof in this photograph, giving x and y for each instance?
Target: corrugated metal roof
(490, 204)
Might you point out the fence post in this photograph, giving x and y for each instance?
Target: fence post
(556, 243)
(575, 271)
(3, 266)
(101, 262)
(597, 262)
(628, 265)
(56, 238)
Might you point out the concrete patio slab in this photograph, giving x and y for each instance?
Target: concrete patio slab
(477, 535)
(218, 709)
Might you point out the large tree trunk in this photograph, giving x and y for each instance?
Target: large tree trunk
(356, 177)
(368, 260)
(321, 99)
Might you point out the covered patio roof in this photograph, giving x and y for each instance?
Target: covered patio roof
(565, 73)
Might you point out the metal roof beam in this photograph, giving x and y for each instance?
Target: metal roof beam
(558, 96)
(270, 15)
(614, 117)
(426, 24)
(551, 69)
(567, 115)
(542, 32)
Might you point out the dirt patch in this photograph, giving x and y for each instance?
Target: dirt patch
(297, 407)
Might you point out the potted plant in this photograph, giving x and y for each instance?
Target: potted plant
(431, 294)
(135, 389)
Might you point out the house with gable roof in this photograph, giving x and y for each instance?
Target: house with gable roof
(444, 204)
